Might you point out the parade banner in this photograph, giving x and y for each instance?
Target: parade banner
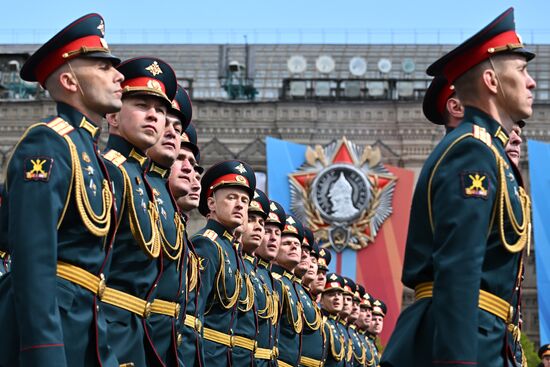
(539, 156)
(357, 206)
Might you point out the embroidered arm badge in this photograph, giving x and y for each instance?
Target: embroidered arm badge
(38, 168)
(475, 184)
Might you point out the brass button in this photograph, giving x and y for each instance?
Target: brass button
(101, 286)
(179, 339)
(178, 308)
(147, 311)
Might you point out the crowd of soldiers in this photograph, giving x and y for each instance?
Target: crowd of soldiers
(102, 271)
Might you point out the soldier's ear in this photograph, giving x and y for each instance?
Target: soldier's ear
(491, 81)
(112, 119)
(68, 81)
(211, 204)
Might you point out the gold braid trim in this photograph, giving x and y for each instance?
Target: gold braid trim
(523, 230)
(316, 323)
(173, 252)
(338, 356)
(226, 301)
(349, 351)
(369, 362)
(98, 225)
(275, 299)
(152, 246)
(361, 359)
(192, 272)
(295, 321)
(248, 302)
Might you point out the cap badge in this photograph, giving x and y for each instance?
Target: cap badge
(154, 69)
(240, 179)
(272, 206)
(291, 220)
(333, 277)
(240, 168)
(185, 137)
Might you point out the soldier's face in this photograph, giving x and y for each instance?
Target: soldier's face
(513, 148)
(140, 121)
(546, 361)
(271, 242)
(99, 85)
(360, 322)
(367, 317)
(347, 305)
(304, 264)
(254, 233)
(191, 201)
(229, 206)
(289, 252)
(332, 301)
(166, 150)
(354, 315)
(376, 325)
(311, 273)
(183, 175)
(319, 282)
(515, 86)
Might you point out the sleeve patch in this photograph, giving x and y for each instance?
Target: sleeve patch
(38, 168)
(475, 184)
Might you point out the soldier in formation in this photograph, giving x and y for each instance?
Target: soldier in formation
(110, 276)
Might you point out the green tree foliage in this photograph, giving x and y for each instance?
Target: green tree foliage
(529, 351)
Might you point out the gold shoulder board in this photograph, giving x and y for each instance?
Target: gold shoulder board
(210, 234)
(60, 126)
(115, 157)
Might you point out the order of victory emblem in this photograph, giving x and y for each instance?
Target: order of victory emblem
(343, 193)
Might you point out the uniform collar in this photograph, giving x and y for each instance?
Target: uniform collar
(482, 119)
(250, 259)
(76, 119)
(122, 146)
(329, 315)
(219, 229)
(159, 170)
(262, 263)
(282, 271)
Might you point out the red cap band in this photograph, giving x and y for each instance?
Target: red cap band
(464, 62)
(71, 50)
(144, 83)
(229, 179)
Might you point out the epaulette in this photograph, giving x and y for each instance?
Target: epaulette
(276, 276)
(60, 126)
(210, 234)
(481, 134)
(115, 157)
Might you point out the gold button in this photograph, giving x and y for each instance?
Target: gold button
(180, 339)
(147, 311)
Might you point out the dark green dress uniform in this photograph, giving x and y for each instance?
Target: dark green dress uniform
(358, 350)
(268, 317)
(171, 289)
(253, 299)
(190, 350)
(336, 343)
(313, 339)
(137, 254)
(57, 212)
(220, 270)
(361, 334)
(291, 315)
(378, 309)
(470, 220)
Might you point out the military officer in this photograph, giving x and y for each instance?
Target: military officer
(318, 284)
(347, 308)
(311, 273)
(227, 188)
(255, 302)
(305, 259)
(267, 350)
(362, 323)
(57, 208)
(544, 355)
(148, 89)
(171, 288)
(358, 352)
(376, 326)
(313, 343)
(463, 254)
(332, 301)
(185, 185)
(291, 322)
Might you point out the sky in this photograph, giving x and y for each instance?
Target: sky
(269, 21)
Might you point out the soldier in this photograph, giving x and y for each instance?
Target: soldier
(267, 351)
(544, 355)
(148, 89)
(311, 272)
(254, 302)
(359, 356)
(313, 344)
(57, 208)
(171, 288)
(376, 326)
(363, 322)
(463, 254)
(227, 188)
(185, 185)
(513, 148)
(318, 284)
(347, 308)
(291, 322)
(332, 301)
(305, 258)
